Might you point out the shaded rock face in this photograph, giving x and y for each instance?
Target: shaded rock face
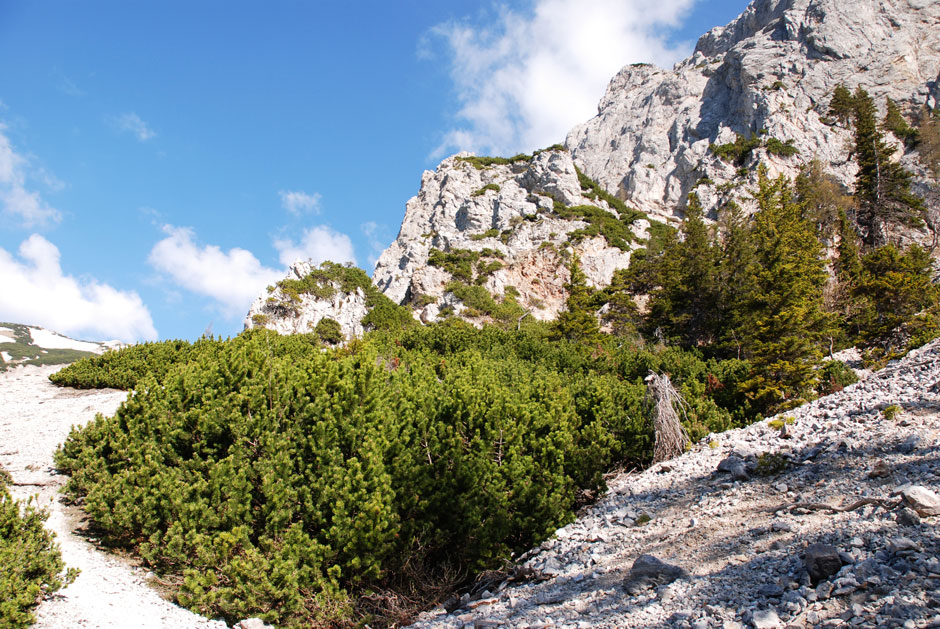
(506, 212)
(286, 314)
(772, 71)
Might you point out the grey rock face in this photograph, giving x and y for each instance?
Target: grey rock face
(508, 210)
(772, 70)
(280, 312)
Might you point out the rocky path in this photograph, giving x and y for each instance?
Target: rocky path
(735, 519)
(35, 417)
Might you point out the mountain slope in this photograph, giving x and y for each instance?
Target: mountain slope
(33, 345)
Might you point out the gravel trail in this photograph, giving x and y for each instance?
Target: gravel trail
(35, 417)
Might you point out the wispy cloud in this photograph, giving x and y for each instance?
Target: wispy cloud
(233, 279)
(317, 244)
(527, 78)
(378, 238)
(15, 198)
(230, 278)
(66, 85)
(34, 289)
(298, 202)
(132, 123)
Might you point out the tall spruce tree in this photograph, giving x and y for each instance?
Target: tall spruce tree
(685, 302)
(882, 186)
(578, 321)
(788, 318)
(842, 105)
(736, 279)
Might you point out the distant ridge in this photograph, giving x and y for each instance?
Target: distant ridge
(33, 345)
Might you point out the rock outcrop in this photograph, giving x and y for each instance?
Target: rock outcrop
(511, 217)
(769, 74)
(287, 310)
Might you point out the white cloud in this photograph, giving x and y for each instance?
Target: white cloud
(297, 202)
(15, 199)
(132, 123)
(233, 279)
(527, 79)
(317, 244)
(34, 290)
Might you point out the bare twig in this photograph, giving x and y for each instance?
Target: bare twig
(671, 438)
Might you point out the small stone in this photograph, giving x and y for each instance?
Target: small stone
(857, 542)
(252, 623)
(922, 500)
(770, 590)
(647, 570)
(904, 544)
(880, 470)
(781, 526)
(907, 517)
(481, 602)
(823, 590)
(766, 619)
(821, 561)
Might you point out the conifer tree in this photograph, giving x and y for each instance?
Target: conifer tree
(882, 186)
(788, 319)
(736, 279)
(929, 146)
(894, 121)
(578, 321)
(821, 196)
(684, 304)
(842, 105)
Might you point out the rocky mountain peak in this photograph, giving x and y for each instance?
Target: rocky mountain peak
(768, 75)
(510, 227)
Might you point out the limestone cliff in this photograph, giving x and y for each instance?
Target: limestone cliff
(514, 223)
(769, 74)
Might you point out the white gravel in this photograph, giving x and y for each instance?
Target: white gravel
(35, 417)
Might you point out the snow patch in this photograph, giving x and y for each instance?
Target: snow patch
(6, 357)
(8, 333)
(51, 340)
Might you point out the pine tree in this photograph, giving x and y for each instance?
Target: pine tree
(788, 319)
(735, 284)
(684, 304)
(842, 105)
(882, 186)
(821, 196)
(578, 321)
(894, 121)
(929, 146)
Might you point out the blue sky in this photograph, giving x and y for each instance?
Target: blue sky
(160, 163)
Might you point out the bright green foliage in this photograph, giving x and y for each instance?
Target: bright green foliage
(835, 375)
(600, 222)
(738, 151)
(480, 303)
(284, 484)
(121, 370)
(30, 564)
(895, 286)
(578, 321)
(736, 280)
(780, 148)
(592, 189)
(821, 196)
(329, 331)
(842, 105)
(894, 121)
(481, 163)
(882, 186)
(684, 305)
(466, 264)
(490, 186)
(787, 317)
(622, 314)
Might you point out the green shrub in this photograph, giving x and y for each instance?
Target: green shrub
(457, 262)
(627, 215)
(781, 149)
(31, 566)
(891, 412)
(600, 223)
(490, 233)
(481, 163)
(329, 331)
(834, 376)
(771, 464)
(482, 191)
(738, 151)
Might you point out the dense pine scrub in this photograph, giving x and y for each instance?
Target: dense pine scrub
(30, 564)
(302, 486)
